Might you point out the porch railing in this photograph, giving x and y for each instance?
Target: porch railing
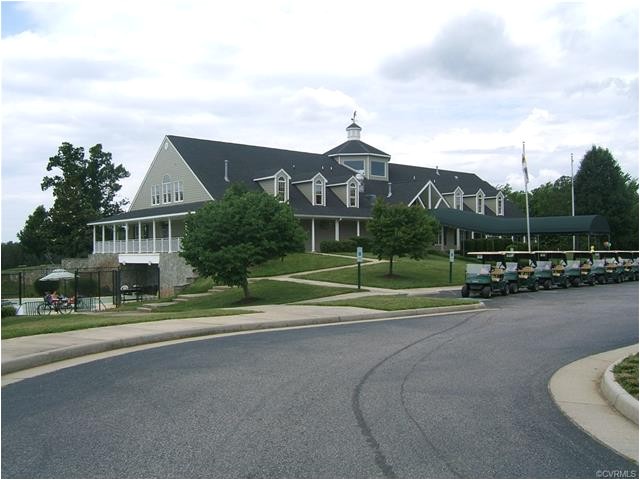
(146, 245)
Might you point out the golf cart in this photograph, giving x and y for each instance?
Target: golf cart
(487, 278)
(551, 269)
(628, 259)
(613, 270)
(582, 261)
(525, 263)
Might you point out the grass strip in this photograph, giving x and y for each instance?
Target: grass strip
(25, 325)
(392, 302)
(626, 374)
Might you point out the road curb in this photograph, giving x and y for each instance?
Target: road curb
(74, 351)
(617, 396)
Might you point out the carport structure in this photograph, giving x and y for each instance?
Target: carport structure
(589, 225)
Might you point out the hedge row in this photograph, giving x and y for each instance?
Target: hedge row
(346, 246)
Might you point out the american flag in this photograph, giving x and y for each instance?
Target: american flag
(524, 168)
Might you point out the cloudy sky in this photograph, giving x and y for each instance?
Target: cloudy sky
(459, 87)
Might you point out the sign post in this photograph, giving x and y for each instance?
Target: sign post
(359, 257)
(451, 259)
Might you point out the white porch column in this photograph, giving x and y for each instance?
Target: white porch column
(113, 228)
(169, 235)
(126, 238)
(154, 236)
(337, 230)
(139, 236)
(103, 239)
(313, 235)
(357, 228)
(94, 239)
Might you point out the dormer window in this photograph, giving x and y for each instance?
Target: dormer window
(167, 189)
(457, 199)
(281, 189)
(318, 192)
(352, 194)
(480, 202)
(500, 204)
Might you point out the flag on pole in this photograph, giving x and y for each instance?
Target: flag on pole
(524, 167)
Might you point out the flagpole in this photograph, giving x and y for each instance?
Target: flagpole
(573, 203)
(526, 196)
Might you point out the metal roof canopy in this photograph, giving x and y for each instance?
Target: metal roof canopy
(590, 224)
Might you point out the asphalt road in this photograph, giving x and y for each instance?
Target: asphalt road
(446, 396)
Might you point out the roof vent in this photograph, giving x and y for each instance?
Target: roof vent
(437, 171)
(226, 171)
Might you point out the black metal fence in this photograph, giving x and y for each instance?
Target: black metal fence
(91, 287)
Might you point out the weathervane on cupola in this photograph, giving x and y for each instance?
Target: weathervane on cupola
(353, 130)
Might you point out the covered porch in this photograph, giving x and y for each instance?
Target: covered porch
(148, 231)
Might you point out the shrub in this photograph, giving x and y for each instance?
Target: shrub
(364, 242)
(8, 311)
(333, 246)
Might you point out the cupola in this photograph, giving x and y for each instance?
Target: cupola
(353, 131)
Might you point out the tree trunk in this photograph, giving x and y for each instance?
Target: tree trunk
(391, 265)
(245, 289)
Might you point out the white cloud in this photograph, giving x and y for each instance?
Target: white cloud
(289, 74)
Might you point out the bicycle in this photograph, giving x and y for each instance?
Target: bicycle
(58, 306)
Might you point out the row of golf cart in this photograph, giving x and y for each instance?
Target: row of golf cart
(509, 271)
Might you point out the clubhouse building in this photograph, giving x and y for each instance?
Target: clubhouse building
(332, 194)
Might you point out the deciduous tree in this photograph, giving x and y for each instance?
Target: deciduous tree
(399, 230)
(35, 237)
(83, 190)
(225, 239)
(602, 188)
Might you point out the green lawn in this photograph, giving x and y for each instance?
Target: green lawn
(430, 272)
(24, 325)
(263, 292)
(626, 374)
(386, 302)
(293, 263)
(299, 262)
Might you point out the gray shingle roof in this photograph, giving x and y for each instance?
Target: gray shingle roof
(351, 147)
(206, 158)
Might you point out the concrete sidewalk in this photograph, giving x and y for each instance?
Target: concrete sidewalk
(32, 351)
(576, 390)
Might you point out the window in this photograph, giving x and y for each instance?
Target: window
(281, 192)
(166, 189)
(480, 202)
(500, 204)
(155, 194)
(318, 193)
(178, 191)
(457, 199)
(355, 164)
(378, 169)
(352, 195)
